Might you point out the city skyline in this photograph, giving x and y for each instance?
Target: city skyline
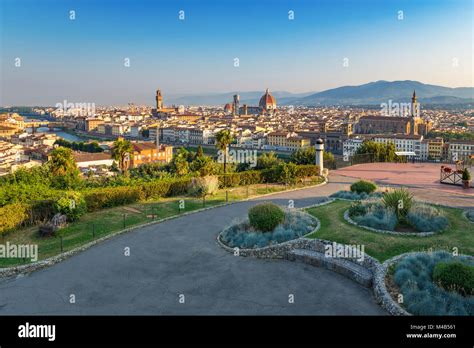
(84, 60)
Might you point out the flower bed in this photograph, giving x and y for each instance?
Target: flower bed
(296, 224)
(397, 211)
(414, 277)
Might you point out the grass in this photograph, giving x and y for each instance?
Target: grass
(107, 221)
(459, 234)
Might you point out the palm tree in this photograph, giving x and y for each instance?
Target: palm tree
(121, 152)
(62, 161)
(223, 139)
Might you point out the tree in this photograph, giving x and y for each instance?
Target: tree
(179, 163)
(308, 156)
(223, 139)
(267, 160)
(62, 166)
(199, 152)
(121, 153)
(380, 152)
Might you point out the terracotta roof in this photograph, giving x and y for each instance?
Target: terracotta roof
(88, 157)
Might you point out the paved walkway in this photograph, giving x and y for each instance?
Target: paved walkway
(181, 256)
(421, 178)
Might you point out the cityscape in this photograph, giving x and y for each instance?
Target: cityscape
(165, 161)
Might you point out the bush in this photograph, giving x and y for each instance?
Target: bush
(426, 218)
(470, 215)
(376, 216)
(363, 186)
(399, 200)
(71, 204)
(466, 175)
(13, 216)
(111, 197)
(455, 276)
(422, 295)
(249, 177)
(204, 186)
(266, 216)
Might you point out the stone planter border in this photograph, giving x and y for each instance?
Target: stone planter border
(275, 251)
(411, 234)
(7, 272)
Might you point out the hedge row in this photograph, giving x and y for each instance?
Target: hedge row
(271, 175)
(107, 197)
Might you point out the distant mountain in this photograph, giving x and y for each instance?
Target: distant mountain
(382, 91)
(250, 98)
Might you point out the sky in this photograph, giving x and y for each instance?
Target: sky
(85, 59)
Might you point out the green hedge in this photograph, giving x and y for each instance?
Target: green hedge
(250, 177)
(108, 197)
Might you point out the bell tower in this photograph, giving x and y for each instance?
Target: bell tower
(159, 100)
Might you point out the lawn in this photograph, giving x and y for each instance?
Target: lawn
(459, 234)
(107, 221)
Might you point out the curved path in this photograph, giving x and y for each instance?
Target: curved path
(181, 256)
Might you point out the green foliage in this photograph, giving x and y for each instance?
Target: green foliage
(426, 218)
(363, 186)
(12, 216)
(466, 175)
(380, 152)
(179, 164)
(373, 214)
(92, 147)
(63, 168)
(308, 156)
(267, 160)
(448, 136)
(400, 200)
(455, 276)
(121, 151)
(112, 196)
(150, 171)
(223, 139)
(249, 177)
(266, 216)
(71, 204)
(204, 186)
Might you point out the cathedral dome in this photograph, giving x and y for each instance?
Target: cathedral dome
(267, 102)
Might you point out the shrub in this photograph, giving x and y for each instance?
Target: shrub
(12, 216)
(466, 175)
(363, 186)
(266, 216)
(455, 276)
(426, 218)
(204, 186)
(111, 197)
(377, 216)
(470, 215)
(399, 200)
(71, 204)
(422, 296)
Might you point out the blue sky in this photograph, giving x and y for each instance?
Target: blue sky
(83, 60)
